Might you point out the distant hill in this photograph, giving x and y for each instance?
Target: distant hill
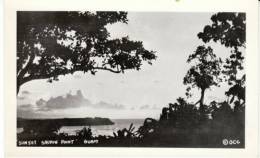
(22, 122)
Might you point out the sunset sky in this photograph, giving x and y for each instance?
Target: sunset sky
(134, 94)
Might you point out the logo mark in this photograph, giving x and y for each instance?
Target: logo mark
(230, 142)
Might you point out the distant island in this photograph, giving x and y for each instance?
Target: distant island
(88, 121)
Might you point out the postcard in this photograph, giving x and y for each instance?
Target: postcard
(132, 78)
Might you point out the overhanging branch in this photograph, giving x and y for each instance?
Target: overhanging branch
(23, 71)
(107, 69)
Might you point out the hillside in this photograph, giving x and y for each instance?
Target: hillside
(21, 122)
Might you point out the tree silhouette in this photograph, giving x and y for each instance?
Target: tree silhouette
(205, 73)
(229, 30)
(180, 114)
(50, 44)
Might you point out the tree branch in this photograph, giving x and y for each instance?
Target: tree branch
(38, 77)
(34, 77)
(107, 69)
(22, 72)
(196, 102)
(25, 69)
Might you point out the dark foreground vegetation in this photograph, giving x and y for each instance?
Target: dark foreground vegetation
(180, 125)
(183, 123)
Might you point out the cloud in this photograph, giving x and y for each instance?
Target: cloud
(25, 92)
(146, 107)
(23, 95)
(24, 98)
(104, 105)
(60, 102)
(69, 101)
(156, 108)
(77, 76)
(21, 98)
(27, 111)
(25, 107)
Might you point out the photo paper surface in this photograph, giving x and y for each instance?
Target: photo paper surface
(170, 86)
(141, 81)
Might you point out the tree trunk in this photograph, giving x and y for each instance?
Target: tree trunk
(18, 85)
(23, 71)
(20, 82)
(17, 89)
(201, 108)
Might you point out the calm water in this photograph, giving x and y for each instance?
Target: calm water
(102, 130)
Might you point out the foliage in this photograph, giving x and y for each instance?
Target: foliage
(230, 30)
(50, 44)
(230, 121)
(41, 129)
(180, 114)
(238, 91)
(227, 28)
(148, 128)
(125, 133)
(205, 73)
(180, 124)
(85, 133)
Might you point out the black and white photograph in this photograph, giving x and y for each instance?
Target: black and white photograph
(131, 79)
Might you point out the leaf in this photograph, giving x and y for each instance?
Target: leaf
(74, 41)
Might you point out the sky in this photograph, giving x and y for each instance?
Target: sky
(134, 94)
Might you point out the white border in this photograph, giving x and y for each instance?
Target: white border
(1, 78)
(248, 6)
